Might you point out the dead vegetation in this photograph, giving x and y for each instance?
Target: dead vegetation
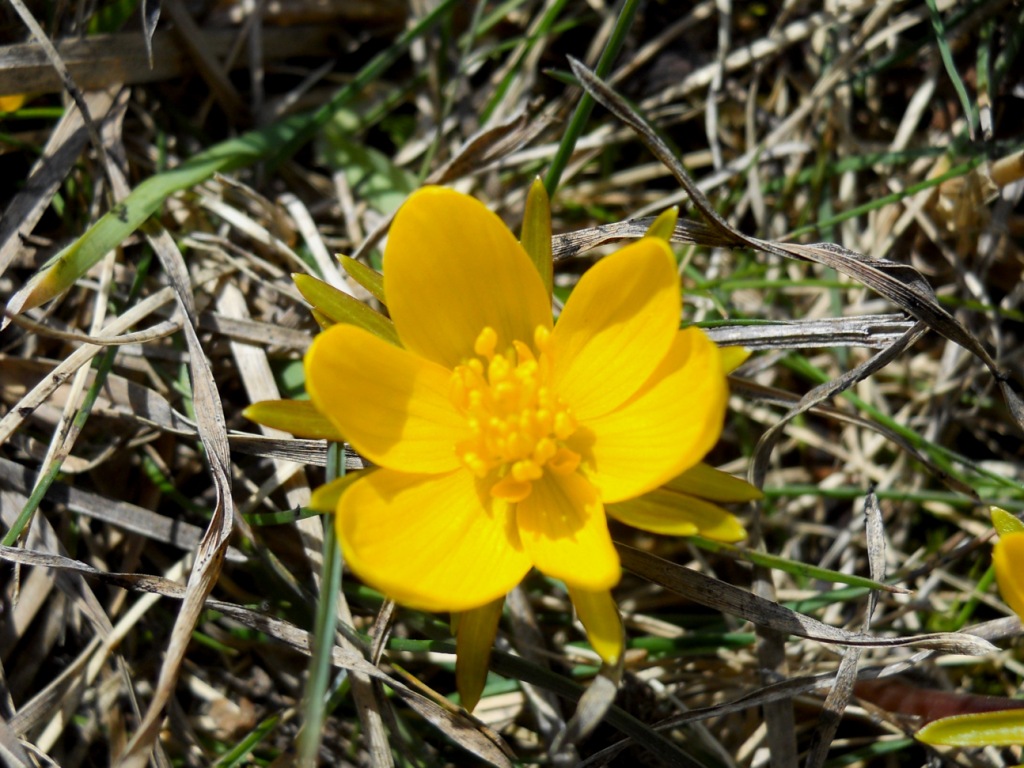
(850, 177)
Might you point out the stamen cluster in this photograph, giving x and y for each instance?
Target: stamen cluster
(518, 423)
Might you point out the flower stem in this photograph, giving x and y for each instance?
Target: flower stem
(323, 633)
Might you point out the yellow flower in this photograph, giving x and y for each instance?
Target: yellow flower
(503, 440)
(1008, 559)
(1002, 727)
(12, 102)
(499, 436)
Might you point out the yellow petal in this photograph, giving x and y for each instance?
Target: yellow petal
(733, 357)
(13, 102)
(676, 514)
(564, 530)
(452, 268)
(433, 542)
(325, 499)
(710, 483)
(616, 328)
(474, 639)
(300, 417)
(600, 617)
(666, 427)
(391, 405)
(1003, 728)
(1007, 557)
(664, 226)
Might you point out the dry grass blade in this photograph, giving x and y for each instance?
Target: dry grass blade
(59, 375)
(839, 697)
(100, 61)
(67, 80)
(454, 723)
(869, 331)
(122, 514)
(489, 146)
(819, 394)
(590, 711)
(11, 752)
(738, 602)
(570, 244)
(191, 38)
(213, 545)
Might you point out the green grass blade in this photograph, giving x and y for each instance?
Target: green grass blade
(947, 61)
(239, 753)
(323, 633)
(956, 171)
(586, 103)
(792, 567)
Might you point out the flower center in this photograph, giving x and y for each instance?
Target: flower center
(518, 424)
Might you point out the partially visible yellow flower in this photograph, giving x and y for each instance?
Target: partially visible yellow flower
(1008, 559)
(12, 102)
(1002, 727)
(499, 436)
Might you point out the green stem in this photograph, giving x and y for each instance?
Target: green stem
(323, 633)
(586, 103)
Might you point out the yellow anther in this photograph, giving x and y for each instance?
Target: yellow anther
(524, 471)
(485, 342)
(523, 352)
(517, 425)
(544, 450)
(541, 338)
(498, 369)
(475, 464)
(565, 425)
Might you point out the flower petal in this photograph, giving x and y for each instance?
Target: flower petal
(600, 617)
(433, 542)
(390, 404)
(733, 357)
(299, 417)
(666, 427)
(325, 499)
(451, 268)
(677, 514)
(714, 484)
(474, 639)
(564, 530)
(616, 327)
(1007, 558)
